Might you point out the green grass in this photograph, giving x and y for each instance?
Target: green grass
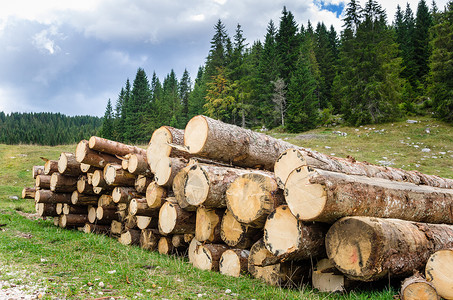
(71, 264)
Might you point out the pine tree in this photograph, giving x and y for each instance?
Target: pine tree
(268, 72)
(219, 97)
(135, 125)
(107, 123)
(197, 99)
(423, 22)
(184, 92)
(441, 63)
(368, 84)
(287, 44)
(302, 112)
(218, 53)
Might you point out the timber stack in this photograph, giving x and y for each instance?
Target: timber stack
(237, 201)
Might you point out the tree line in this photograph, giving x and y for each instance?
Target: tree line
(46, 128)
(301, 76)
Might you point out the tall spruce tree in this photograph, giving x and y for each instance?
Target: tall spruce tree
(218, 53)
(441, 63)
(135, 125)
(287, 44)
(107, 122)
(197, 99)
(184, 93)
(423, 23)
(368, 84)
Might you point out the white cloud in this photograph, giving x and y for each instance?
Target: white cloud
(43, 40)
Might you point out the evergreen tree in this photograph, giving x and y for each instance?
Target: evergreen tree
(220, 45)
(287, 44)
(184, 92)
(197, 99)
(441, 63)
(368, 84)
(423, 22)
(326, 61)
(107, 123)
(135, 125)
(268, 72)
(220, 97)
(302, 112)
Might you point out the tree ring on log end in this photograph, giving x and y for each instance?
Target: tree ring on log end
(286, 163)
(350, 243)
(196, 134)
(196, 188)
(439, 270)
(167, 217)
(305, 200)
(282, 231)
(230, 264)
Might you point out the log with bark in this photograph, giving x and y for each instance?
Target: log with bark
(116, 228)
(288, 238)
(138, 165)
(113, 147)
(46, 196)
(123, 194)
(83, 199)
(160, 145)
(207, 184)
(73, 220)
(439, 272)
(167, 168)
(59, 208)
(179, 242)
(164, 246)
(94, 158)
(252, 197)
(178, 188)
(28, 193)
(141, 183)
(208, 256)
(145, 222)
(208, 223)
(234, 262)
(43, 181)
(96, 228)
(149, 238)
(192, 250)
(216, 140)
(318, 195)
(236, 234)
(106, 215)
(83, 186)
(130, 237)
(68, 165)
(62, 184)
(139, 207)
(156, 195)
(91, 213)
(114, 175)
(174, 220)
(367, 248)
(418, 288)
(86, 168)
(50, 167)
(74, 209)
(37, 170)
(299, 157)
(281, 273)
(46, 209)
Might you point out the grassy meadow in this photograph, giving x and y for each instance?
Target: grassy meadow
(69, 264)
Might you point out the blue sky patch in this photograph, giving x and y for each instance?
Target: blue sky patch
(335, 8)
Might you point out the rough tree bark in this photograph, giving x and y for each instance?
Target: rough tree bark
(318, 195)
(216, 140)
(113, 147)
(366, 248)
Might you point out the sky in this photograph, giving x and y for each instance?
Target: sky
(72, 56)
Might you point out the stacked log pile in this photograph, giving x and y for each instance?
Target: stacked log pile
(238, 201)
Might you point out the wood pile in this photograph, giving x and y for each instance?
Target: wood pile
(236, 201)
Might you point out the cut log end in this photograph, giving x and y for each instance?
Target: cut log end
(418, 288)
(305, 200)
(196, 186)
(439, 271)
(328, 282)
(286, 163)
(234, 262)
(196, 134)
